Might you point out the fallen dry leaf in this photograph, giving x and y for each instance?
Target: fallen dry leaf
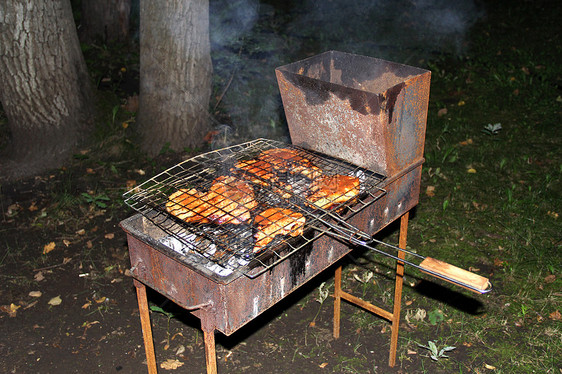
(81, 232)
(55, 301)
(489, 367)
(11, 309)
(430, 191)
(323, 365)
(498, 262)
(466, 142)
(170, 364)
(552, 214)
(549, 278)
(109, 235)
(12, 210)
(471, 170)
(35, 294)
(66, 242)
(479, 206)
(441, 112)
(39, 276)
(33, 207)
(410, 352)
(30, 305)
(87, 305)
(88, 324)
(555, 316)
(100, 300)
(180, 350)
(48, 247)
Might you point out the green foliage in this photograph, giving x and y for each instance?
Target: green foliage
(435, 353)
(494, 129)
(99, 201)
(157, 309)
(435, 316)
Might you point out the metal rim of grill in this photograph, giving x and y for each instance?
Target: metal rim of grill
(230, 246)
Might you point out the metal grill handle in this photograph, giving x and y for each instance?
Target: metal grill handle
(436, 268)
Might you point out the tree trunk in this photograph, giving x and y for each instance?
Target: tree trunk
(175, 74)
(45, 90)
(105, 20)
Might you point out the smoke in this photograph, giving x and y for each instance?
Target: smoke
(231, 21)
(245, 53)
(250, 38)
(446, 23)
(397, 29)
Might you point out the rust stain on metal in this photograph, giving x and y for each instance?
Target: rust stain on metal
(368, 111)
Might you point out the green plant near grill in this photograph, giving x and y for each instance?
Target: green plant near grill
(435, 353)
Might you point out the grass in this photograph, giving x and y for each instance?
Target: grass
(503, 216)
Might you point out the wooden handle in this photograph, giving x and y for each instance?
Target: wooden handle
(456, 273)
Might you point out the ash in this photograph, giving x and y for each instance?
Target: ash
(190, 240)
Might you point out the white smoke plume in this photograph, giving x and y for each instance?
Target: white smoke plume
(250, 38)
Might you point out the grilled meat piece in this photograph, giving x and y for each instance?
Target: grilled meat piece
(330, 190)
(229, 200)
(187, 204)
(276, 221)
(256, 171)
(280, 169)
(287, 160)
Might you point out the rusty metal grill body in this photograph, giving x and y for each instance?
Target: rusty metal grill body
(236, 299)
(369, 112)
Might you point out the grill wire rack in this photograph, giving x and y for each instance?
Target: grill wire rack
(230, 246)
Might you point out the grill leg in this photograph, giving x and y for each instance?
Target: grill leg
(398, 290)
(210, 355)
(337, 302)
(146, 328)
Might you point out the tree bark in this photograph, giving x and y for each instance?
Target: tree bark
(105, 20)
(45, 91)
(175, 74)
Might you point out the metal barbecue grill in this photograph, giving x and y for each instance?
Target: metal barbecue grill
(348, 115)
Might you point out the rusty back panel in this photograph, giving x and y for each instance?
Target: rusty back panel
(365, 110)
